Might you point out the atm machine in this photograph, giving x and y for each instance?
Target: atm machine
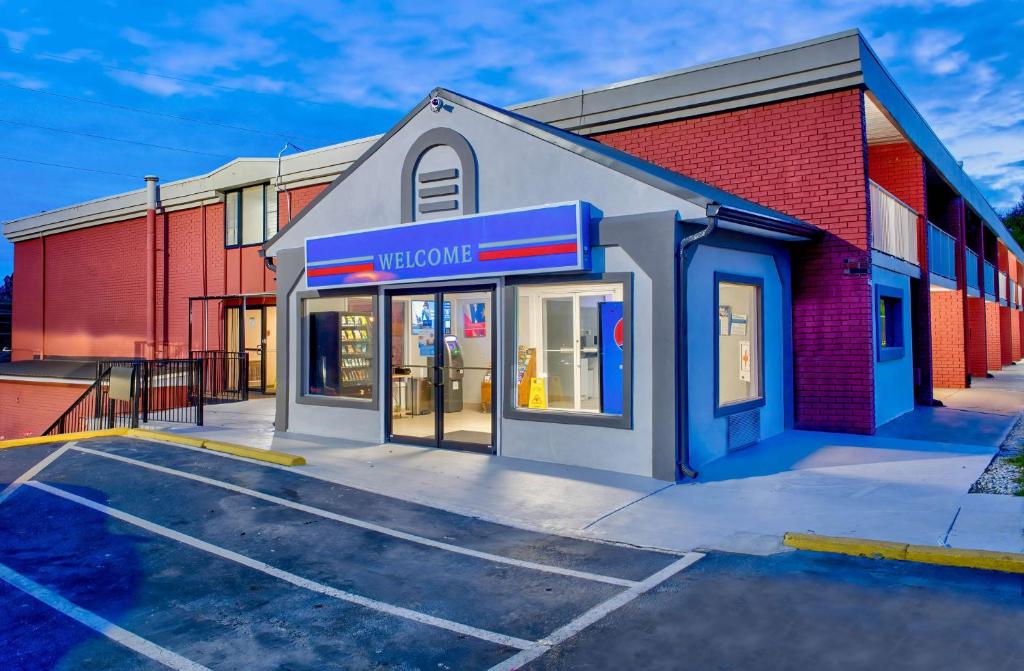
(453, 382)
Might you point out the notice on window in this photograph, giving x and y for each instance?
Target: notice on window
(745, 360)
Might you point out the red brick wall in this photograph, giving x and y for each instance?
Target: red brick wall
(1020, 321)
(301, 197)
(993, 330)
(977, 353)
(95, 302)
(28, 408)
(1015, 352)
(1005, 337)
(27, 318)
(807, 158)
(900, 170)
(949, 363)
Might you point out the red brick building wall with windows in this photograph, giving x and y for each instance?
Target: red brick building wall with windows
(978, 345)
(807, 158)
(82, 293)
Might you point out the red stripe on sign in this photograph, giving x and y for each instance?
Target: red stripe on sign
(520, 252)
(339, 270)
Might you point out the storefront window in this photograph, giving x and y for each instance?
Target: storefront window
(739, 332)
(569, 347)
(340, 346)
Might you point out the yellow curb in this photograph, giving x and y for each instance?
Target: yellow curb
(61, 438)
(858, 547)
(1007, 562)
(271, 456)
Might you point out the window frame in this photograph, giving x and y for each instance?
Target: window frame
(302, 397)
(761, 400)
(510, 331)
(889, 353)
(238, 226)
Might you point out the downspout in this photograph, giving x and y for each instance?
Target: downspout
(682, 444)
(151, 205)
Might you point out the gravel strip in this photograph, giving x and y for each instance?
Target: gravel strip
(1001, 476)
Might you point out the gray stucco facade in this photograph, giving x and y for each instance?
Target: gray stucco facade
(639, 215)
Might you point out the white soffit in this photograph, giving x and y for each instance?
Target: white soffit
(880, 128)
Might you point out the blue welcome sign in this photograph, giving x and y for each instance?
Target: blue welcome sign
(550, 238)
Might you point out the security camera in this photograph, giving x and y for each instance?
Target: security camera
(436, 104)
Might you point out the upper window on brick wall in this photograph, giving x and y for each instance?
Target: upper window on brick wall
(250, 215)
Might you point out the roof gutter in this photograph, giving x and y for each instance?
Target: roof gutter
(682, 420)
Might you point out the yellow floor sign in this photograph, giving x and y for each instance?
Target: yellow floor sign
(538, 396)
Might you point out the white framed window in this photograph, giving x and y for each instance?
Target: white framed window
(571, 347)
(250, 215)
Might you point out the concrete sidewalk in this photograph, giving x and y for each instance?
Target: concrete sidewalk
(907, 483)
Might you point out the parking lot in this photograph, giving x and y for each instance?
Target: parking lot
(121, 553)
(125, 553)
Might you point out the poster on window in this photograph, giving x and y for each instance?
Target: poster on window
(745, 360)
(474, 320)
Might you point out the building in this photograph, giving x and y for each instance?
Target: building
(640, 277)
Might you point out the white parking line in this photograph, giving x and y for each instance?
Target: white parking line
(97, 623)
(299, 581)
(599, 611)
(32, 472)
(370, 526)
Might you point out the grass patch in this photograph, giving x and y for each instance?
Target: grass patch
(1018, 462)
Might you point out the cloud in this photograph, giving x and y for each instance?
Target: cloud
(24, 81)
(18, 39)
(933, 50)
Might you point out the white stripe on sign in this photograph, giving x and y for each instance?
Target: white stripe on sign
(596, 613)
(338, 262)
(35, 470)
(369, 526)
(527, 241)
(97, 623)
(298, 581)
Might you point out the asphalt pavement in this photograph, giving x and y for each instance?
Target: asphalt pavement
(122, 553)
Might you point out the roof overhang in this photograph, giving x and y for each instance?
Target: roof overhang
(310, 167)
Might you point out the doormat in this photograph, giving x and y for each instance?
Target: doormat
(475, 437)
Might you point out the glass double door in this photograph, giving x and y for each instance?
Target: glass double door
(258, 338)
(441, 354)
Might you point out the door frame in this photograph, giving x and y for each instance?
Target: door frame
(441, 352)
(262, 309)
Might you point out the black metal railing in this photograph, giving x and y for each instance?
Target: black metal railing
(162, 390)
(225, 376)
(95, 410)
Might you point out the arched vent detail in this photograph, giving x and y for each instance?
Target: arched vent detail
(439, 177)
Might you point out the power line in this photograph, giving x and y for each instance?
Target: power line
(165, 115)
(113, 139)
(67, 167)
(159, 75)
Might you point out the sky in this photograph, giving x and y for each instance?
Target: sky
(177, 89)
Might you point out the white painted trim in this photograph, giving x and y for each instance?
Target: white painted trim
(286, 576)
(76, 381)
(362, 524)
(98, 624)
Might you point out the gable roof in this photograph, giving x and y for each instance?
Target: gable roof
(732, 208)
